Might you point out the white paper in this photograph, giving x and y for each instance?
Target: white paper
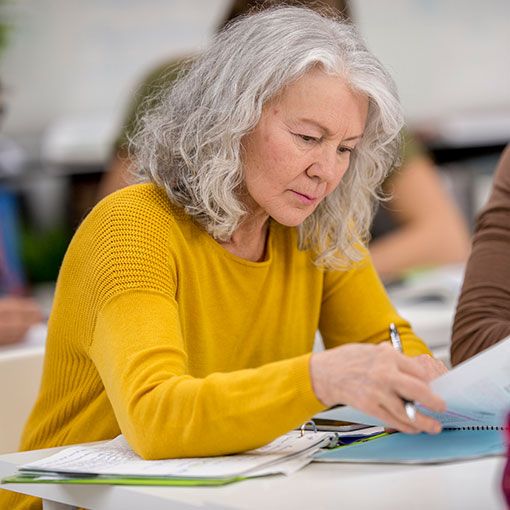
(477, 393)
(116, 458)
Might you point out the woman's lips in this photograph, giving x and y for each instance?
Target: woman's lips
(306, 199)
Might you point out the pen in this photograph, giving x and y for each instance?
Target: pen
(397, 344)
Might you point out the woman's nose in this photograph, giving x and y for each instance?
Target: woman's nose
(328, 165)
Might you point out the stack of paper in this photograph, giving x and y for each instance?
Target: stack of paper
(114, 462)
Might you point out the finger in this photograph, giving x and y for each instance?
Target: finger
(396, 412)
(422, 367)
(433, 367)
(412, 366)
(426, 366)
(393, 408)
(427, 424)
(398, 408)
(400, 423)
(386, 401)
(411, 388)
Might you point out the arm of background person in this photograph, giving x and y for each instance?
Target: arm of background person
(431, 229)
(17, 315)
(118, 174)
(483, 311)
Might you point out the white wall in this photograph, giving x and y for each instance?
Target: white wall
(447, 56)
(71, 58)
(83, 58)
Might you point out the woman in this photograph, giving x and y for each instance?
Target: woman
(186, 307)
(483, 313)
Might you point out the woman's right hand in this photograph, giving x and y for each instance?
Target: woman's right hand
(375, 379)
(17, 315)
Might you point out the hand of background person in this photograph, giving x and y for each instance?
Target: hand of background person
(375, 379)
(17, 315)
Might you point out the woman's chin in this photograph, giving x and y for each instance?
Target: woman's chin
(290, 220)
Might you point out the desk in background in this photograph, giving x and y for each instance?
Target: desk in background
(428, 301)
(468, 485)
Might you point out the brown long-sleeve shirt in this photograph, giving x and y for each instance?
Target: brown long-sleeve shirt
(483, 312)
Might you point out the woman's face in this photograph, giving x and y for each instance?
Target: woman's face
(300, 149)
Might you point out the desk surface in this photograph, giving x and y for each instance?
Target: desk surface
(465, 485)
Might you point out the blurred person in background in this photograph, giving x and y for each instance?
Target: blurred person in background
(420, 225)
(483, 311)
(18, 311)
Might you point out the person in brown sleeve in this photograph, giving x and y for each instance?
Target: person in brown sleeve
(483, 312)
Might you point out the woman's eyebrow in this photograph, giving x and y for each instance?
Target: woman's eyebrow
(325, 130)
(352, 138)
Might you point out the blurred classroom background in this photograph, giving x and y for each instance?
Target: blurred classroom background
(70, 68)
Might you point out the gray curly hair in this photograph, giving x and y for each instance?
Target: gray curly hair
(190, 143)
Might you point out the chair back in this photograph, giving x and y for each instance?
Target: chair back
(20, 376)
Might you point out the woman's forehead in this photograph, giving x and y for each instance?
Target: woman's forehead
(321, 98)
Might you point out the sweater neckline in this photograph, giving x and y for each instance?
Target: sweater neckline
(223, 252)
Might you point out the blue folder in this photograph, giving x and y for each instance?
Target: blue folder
(447, 446)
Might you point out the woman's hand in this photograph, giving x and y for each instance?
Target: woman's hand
(375, 379)
(433, 367)
(17, 315)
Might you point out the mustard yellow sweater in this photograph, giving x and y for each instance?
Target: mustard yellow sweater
(159, 333)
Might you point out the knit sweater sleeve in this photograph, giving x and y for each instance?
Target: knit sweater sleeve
(356, 308)
(164, 412)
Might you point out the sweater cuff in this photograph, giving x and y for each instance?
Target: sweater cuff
(303, 383)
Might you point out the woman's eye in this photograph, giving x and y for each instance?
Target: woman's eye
(307, 138)
(343, 149)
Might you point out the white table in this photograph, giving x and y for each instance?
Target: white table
(465, 485)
